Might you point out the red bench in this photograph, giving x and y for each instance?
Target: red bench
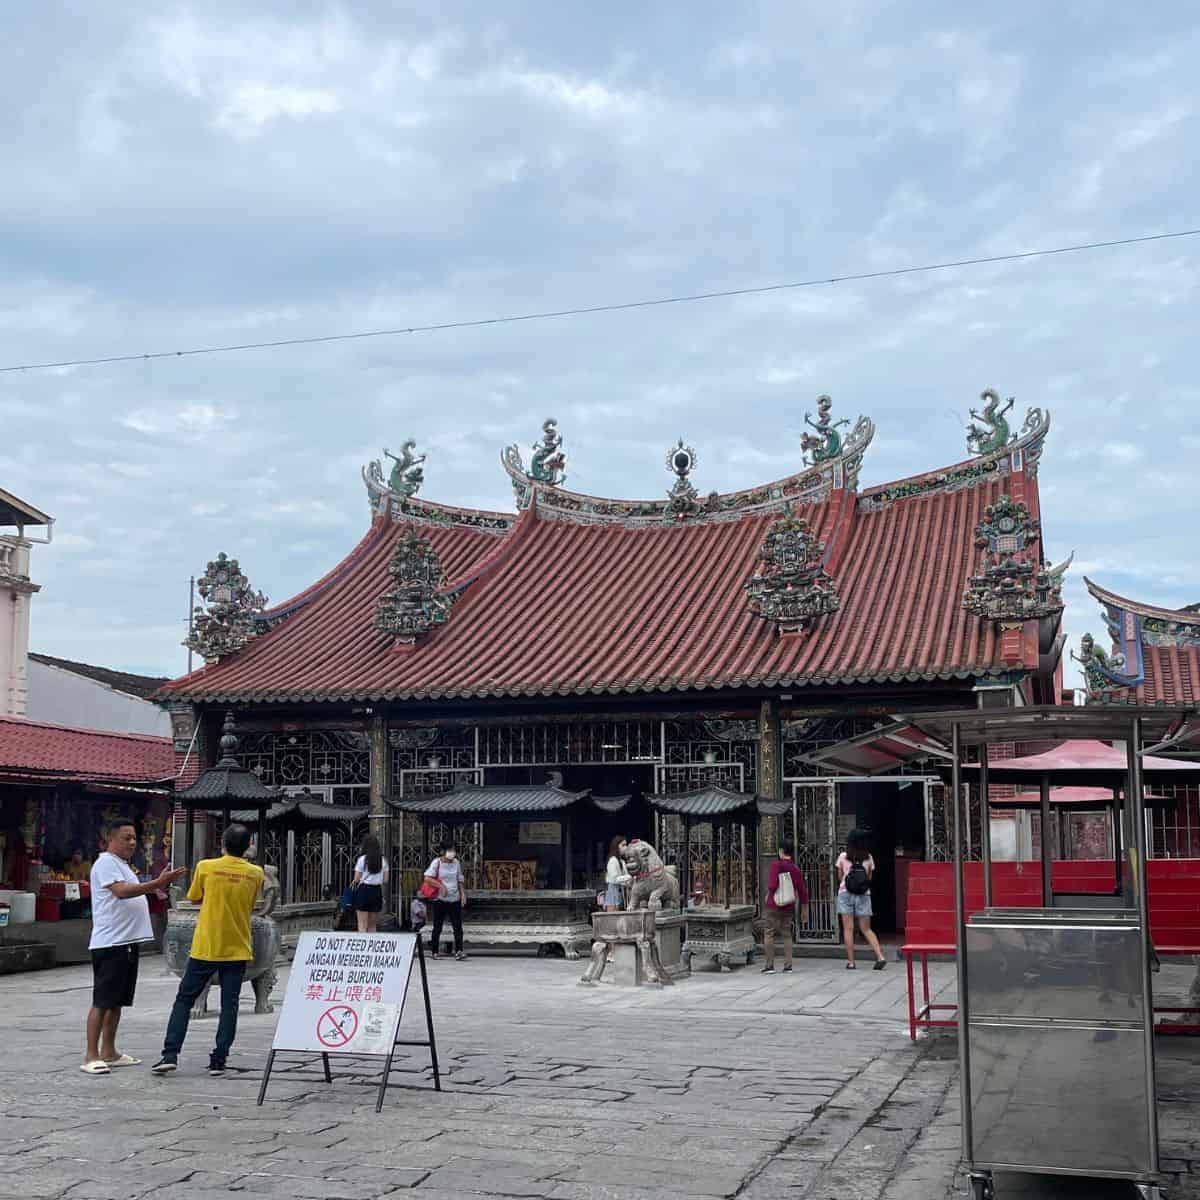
(929, 924)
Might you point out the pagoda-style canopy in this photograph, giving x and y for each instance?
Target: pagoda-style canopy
(497, 799)
(806, 582)
(1155, 656)
(704, 803)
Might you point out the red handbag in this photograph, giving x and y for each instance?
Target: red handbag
(428, 889)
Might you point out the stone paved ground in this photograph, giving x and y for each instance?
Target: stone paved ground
(742, 1085)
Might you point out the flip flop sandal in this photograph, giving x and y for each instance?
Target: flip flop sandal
(126, 1060)
(96, 1067)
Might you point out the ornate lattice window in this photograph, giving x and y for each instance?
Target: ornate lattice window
(570, 743)
(312, 757)
(698, 753)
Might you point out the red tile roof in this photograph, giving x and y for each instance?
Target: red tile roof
(563, 607)
(35, 750)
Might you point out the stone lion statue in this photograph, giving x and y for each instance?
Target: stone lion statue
(651, 883)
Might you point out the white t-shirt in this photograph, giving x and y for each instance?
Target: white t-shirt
(370, 877)
(450, 873)
(116, 922)
(844, 864)
(616, 868)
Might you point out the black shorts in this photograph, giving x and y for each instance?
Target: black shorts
(368, 897)
(114, 976)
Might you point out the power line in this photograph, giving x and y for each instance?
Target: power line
(658, 302)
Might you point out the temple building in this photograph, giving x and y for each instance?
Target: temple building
(713, 671)
(1154, 659)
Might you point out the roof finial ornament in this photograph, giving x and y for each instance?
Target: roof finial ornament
(229, 740)
(993, 434)
(827, 443)
(407, 476)
(684, 499)
(234, 613)
(549, 462)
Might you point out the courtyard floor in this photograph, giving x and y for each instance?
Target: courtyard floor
(734, 1085)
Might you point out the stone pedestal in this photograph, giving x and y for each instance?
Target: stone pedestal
(625, 950)
(669, 927)
(726, 935)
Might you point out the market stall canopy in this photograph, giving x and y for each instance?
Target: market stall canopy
(1071, 797)
(495, 799)
(1053, 723)
(228, 784)
(711, 801)
(1082, 763)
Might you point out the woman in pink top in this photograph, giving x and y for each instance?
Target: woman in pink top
(855, 868)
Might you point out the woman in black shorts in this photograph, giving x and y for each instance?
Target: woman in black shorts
(370, 880)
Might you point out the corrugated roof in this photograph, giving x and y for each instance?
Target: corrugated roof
(497, 798)
(35, 749)
(568, 608)
(703, 802)
(142, 686)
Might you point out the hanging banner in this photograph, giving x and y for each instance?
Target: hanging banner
(345, 993)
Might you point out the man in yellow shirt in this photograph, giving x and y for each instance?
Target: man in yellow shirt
(226, 889)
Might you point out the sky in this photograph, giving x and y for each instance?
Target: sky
(192, 175)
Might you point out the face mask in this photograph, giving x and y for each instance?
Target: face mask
(450, 856)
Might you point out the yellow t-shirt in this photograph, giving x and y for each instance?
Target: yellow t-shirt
(226, 889)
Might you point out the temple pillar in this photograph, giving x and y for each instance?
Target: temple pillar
(770, 786)
(379, 812)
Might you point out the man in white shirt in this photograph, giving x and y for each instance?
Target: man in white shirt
(120, 922)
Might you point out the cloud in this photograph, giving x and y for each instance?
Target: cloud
(204, 175)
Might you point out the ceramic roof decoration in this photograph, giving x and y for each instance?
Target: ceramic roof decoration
(576, 595)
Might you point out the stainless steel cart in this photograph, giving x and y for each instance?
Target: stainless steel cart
(1056, 1023)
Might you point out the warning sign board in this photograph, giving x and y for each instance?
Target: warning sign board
(345, 994)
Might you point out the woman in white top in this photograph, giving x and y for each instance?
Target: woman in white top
(614, 898)
(370, 878)
(856, 868)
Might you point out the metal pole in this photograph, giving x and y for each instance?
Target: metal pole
(1116, 836)
(960, 957)
(1047, 849)
(1137, 806)
(985, 825)
(191, 621)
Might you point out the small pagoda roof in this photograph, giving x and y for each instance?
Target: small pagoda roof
(495, 799)
(307, 812)
(709, 801)
(577, 595)
(227, 784)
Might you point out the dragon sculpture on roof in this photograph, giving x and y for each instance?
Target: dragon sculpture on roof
(549, 461)
(826, 444)
(407, 475)
(994, 434)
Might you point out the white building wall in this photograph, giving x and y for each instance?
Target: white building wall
(15, 594)
(63, 698)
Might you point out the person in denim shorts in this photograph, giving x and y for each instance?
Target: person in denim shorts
(854, 907)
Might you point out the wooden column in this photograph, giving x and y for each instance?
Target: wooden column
(770, 783)
(378, 811)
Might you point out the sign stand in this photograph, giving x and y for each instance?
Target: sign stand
(339, 1024)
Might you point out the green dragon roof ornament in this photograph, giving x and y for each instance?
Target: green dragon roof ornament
(549, 461)
(994, 433)
(827, 443)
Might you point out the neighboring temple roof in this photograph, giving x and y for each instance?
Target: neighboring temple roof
(141, 686)
(582, 596)
(497, 798)
(34, 750)
(1156, 653)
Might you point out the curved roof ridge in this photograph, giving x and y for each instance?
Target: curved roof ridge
(1185, 616)
(376, 530)
(504, 547)
(969, 472)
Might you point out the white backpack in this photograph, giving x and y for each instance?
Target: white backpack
(785, 891)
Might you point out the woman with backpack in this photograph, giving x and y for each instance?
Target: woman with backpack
(785, 885)
(370, 879)
(855, 868)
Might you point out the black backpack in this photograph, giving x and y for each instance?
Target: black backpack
(858, 882)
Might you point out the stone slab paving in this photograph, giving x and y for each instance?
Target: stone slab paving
(733, 1085)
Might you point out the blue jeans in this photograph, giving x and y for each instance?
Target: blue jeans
(195, 979)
